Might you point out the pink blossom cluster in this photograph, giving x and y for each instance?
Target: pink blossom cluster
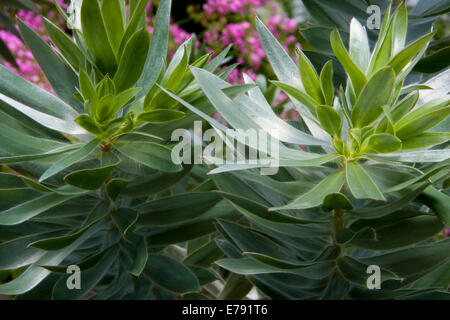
(27, 66)
(232, 6)
(245, 40)
(242, 35)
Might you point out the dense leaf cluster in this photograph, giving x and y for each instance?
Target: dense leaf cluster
(88, 177)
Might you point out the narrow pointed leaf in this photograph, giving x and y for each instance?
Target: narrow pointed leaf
(70, 159)
(331, 184)
(330, 120)
(171, 274)
(32, 208)
(132, 61)
(326, 82)
(60, 76)
(356, 75)
(94, 32)
(158, 47)
(406, 55)
(150, 154)
(375, 94)
(360, 183)
(140, 260)
(161, 115)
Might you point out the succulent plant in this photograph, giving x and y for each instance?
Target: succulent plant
(87, 177)
(367, 188)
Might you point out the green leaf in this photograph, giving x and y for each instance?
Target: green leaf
(124, 219)
(287, 72)
(158, 47)
(32, 208)
(34, 274)
(302, 97)
(123, 98)
(50, 154)
(205, 255)
(114, 23)
(96, 37)
(57, 243)
(257, 209)
(115, 186)
(434, 62)
(337, 288)
(385, 25)
(355, 271)
(90, 179)
(404, 106)
(136, 21)
(51, 122)
(440, 277)
(425, 140)
(310, 78)
(359, 45)
(399, 28)
(398, 234)
(65, 45)
(70, 159)
(414, 87)
(16, 253)
(277, 263)
(249, 241)
(105, 107)
(105, 87)
(400, 61)
(132, 60)
(140, 260)
(87, 89)
(172, 210)
(161, 115)
(150, 154)
(247, 266)
(171, 274)
(356, 75)
(414, 260)
(381, 143)
(312, 162)
(393, 206)
(90, 278)
(360, 183)
(18, 89)
(240, 116)
(423, 118)
(236, 288)
(17, 142)
(331, 184)
(336, 201)
(326, 82)
(87, 123)
(375, 94)
(218, 60)
(439, 202)
(414, 156)
(176, 69)
(60, 76)
(330, 120)
(203, 275)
